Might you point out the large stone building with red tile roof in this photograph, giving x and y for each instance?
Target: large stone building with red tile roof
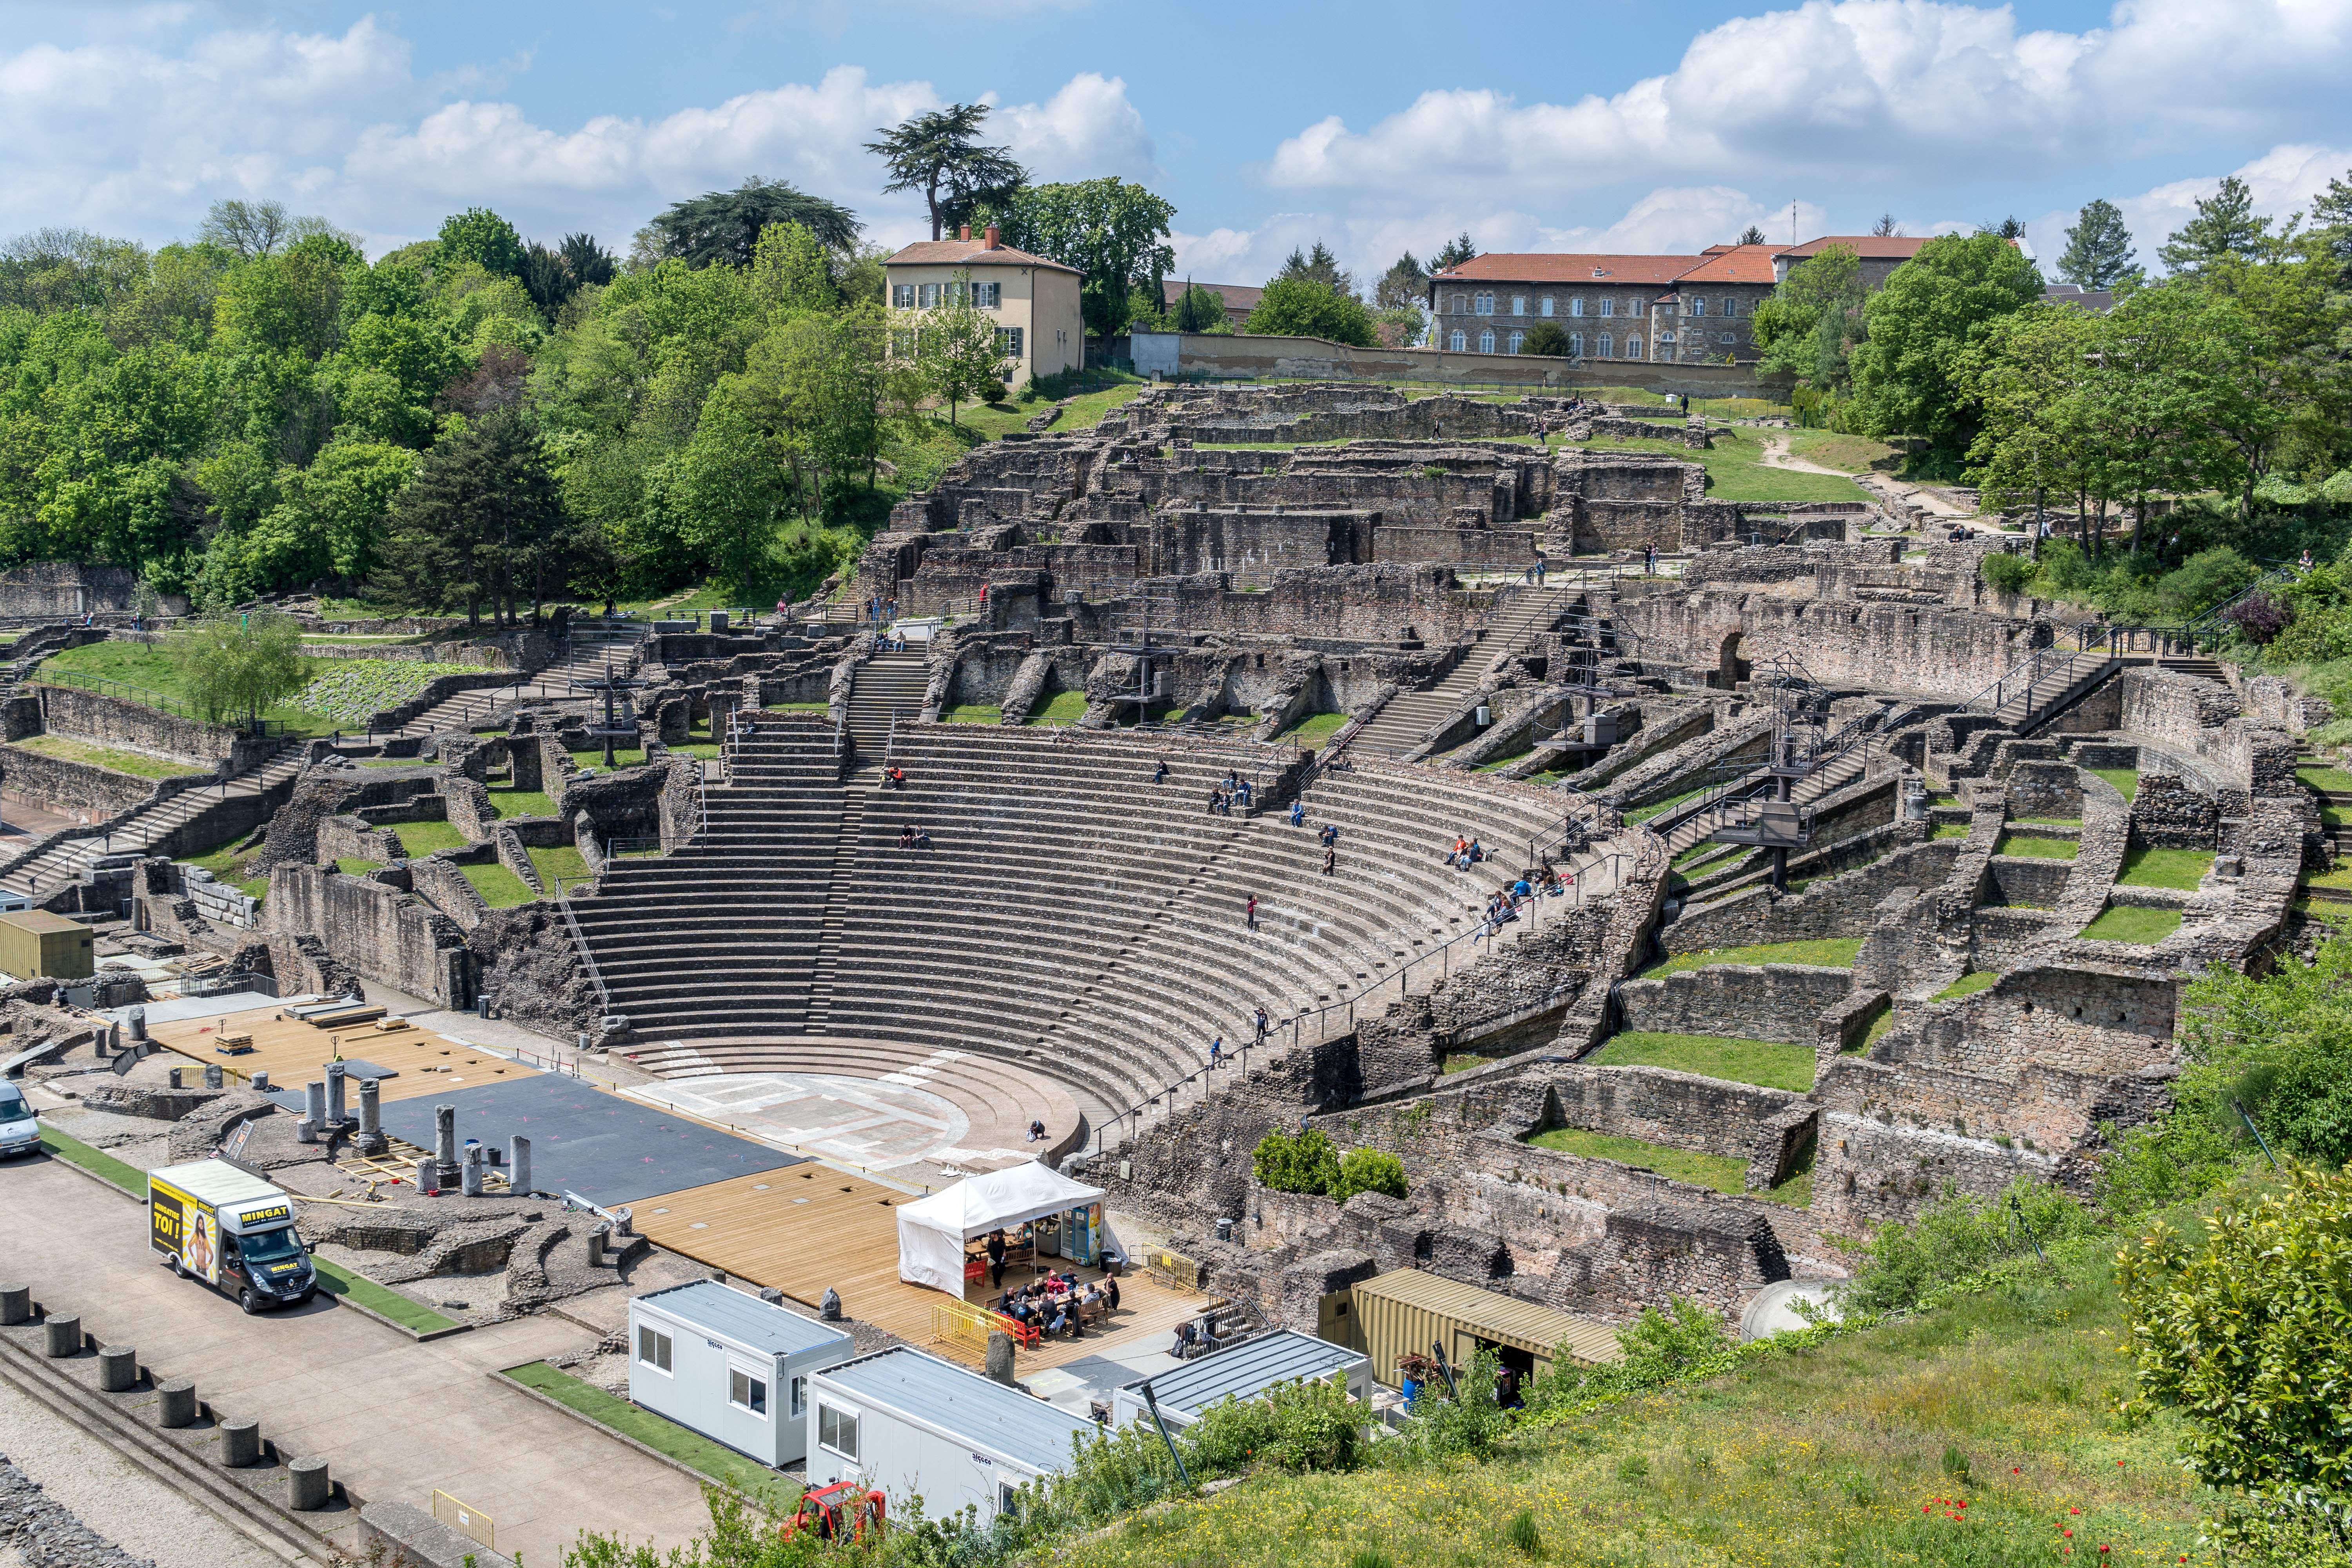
(1040, 328)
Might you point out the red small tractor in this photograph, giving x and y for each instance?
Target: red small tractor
(838, 1512)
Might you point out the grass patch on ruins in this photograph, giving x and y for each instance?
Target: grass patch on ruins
(973, 713)
(107, 757)
(1499, 763)
(422, 839)
(2182, 868)
(691, 1449)
(227, 866)
(2339, 878)
(1854, 454)
(1660, 807)
(97, 1162)
(1828, 953)
(1965, 985)
(352, 865)
(509, 801)
(335, 1280)
(2037, 848)
(500, 888)
(1772, 1064)
(1950, 830)
(2125, 780)
(560, 861)
(623, 757)
(1314, 730)
(1734, 469)
(1723, 1173)
(1061, 707)
(2125, 922)
(2046, 822)
(148, 666)
(797, 708)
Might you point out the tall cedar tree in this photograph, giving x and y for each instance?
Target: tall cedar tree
(2098, 253)
(1455, 253)
(2226, 227)
(482, 519)
(723, 227)
(939, 154)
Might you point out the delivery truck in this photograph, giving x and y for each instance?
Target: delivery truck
(235, 1232)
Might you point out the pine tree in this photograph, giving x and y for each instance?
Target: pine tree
(482, 516)
(1751, 235)
(2226, 227)
(1319, 266)
(2099, 248)
(1457, 251)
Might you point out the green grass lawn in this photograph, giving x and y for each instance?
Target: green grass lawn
(1771, 1063)
(335, 1279)
(1829, 952)
(2123, 922)
(2183, 869)
(1065, 708)
(798, 708)
(623, 756)
(236, 869)
(973, 713)
(418, 839)
(145, 665)
(1499, 763)
(1660, 807)
(1950, 830)
(1724, 1173)
(2339, 878)
(97, 1162)
(1314, 730)
(559, 860)
(690, 1448)
(1965, 985)
(500, 888)
(352, 865)
(2037, 848)
(107, 757)
(1734, 471)
(509, 801)
(2125, 780)
(1854, 454)
(2046, 822)
(991, 420)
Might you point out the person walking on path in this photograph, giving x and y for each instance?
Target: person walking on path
(1263, 1023)
(1217, 1051)
(1250, 910)
(1330, 858)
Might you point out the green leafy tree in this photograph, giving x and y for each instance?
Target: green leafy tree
(1304, 1163)
(722, 229)
(1318, 266)
(1198, 309)
(237, 663)
(789, 271)
(1114, 232)
(1546, 338)
(2028, 375)
(481, 521)
(1810, 325)
(54, 269)
(2098, 253)
(957, 347)
(2226, 228)
(1453, 253)
(1405, 283)
(1300, 307)
(939, 154)
(2331, 226)
(481, 237)
(1908, 373)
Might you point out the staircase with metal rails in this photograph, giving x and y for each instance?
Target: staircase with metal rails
(2038, 686)
(883, 686)
(150, 823)
(1408, 716)
(1837, 761)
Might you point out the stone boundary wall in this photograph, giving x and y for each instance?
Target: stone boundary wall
(1844, 906)
(1946, 652)
(377, 930)
(111, 721)
(69, 787)
(1755, 1002)
(1657, 1105)
(2274, 700)
(1216, 356)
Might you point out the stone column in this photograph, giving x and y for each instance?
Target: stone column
(428, 1175)
(518, 1165)
(213, 1075)
(445, 1142)
(314, 1111)
(335, 1098)
(371, 1140)
(473, 1171)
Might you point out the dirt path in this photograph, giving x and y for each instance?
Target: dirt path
(1777, 456)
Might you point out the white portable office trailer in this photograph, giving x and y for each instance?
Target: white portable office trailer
(1244, 1372)
(909, 1423)
(730, 1366)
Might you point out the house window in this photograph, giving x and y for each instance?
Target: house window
(1546, 306)
(1518, 304)
(1516, 338)
(902, 296)
(1608, 346)
(1460, 304)
(1576, 344)
(1698, 304)
(987, 296)
(1607, 306)
(1487, 342)
(1482, 305)
(902, 343)
(800, 1397)
(837, 1430)
(653, 1348)
(1724, 338)
(1458, 341)
(745, 1392)
(1633, 348)
(1576, 306)
(927, 295)
(1008, 341)
(1008, 1499)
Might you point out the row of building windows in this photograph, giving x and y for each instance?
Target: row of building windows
(1604, 347)
(1484, 305)
(906, 341)
(929, 296)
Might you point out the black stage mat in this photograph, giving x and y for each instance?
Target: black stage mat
(605, 1147)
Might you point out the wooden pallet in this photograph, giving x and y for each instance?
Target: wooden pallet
(398, 1163)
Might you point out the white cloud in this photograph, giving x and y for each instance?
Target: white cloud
(142, 139)
(2283, 182)
(1876, 89)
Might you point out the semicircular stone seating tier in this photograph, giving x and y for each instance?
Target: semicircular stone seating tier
(1071, 916)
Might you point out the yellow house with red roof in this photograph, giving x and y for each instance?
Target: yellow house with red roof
(1039, 326)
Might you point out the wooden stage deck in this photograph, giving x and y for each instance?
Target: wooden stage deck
(803, 1229)
(294, 1053)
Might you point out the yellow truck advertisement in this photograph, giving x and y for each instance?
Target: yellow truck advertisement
(232, 1230)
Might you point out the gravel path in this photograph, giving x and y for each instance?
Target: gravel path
(95, 1508)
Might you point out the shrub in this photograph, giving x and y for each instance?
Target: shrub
(1546, 338)
(2259, 617)
(1368, 1171)
(1960, 1236)
(1306, 1164)
(2008, 573)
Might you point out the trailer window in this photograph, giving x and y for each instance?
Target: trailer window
(800, 1397)
(837, 1430)
(653, 1348)
(747, 1393)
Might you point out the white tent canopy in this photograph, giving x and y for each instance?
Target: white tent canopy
(932, 1230)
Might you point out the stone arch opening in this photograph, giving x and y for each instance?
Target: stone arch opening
(1731, 667)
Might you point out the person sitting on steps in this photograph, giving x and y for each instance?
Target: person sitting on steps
(922, 838)
(907, 837)
(1160, 773)
(894, 777)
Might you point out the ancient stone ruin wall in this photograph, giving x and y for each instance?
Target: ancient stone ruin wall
(1754, 1001)
(1931, 650)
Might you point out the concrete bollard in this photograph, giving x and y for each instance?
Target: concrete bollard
(261, 1079)
(16, 1304)
(772, 1296)
(518, 1165)
(336, 1073)
(1000, 1357)
(473, 1171)
(307, 1486)
(175, 1080)
(118, 1368)
(240, 1444)
(139, 1023)
(213, 1075)
(175, 1403)
(371, 1140)
(596, 1246)
(622, 1224)
(61, 1337)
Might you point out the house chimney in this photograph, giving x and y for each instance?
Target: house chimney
(988, 239)
(964, 232)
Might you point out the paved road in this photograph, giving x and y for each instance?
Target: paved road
(393, 1418)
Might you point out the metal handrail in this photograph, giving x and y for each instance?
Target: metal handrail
(579, 942)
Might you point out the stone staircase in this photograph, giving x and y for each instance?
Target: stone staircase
(1400, 724)
(2203, 668)
(885, 685)
(836, 912)
(150, 823)
(2050, 682)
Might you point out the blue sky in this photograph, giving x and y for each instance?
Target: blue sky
(1376, 127)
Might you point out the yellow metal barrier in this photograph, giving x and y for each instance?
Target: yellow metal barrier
(962, 1321)
(459, 1516)
(1177, 1271)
